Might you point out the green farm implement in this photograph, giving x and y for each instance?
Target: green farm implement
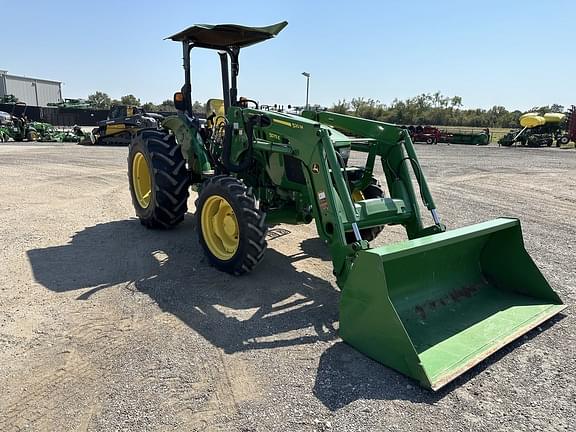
(45, 131)
(76, 134)
(4, 133)
(18, 128)
(72, 103)
(430, 307)
(5, 125)
(466, 137)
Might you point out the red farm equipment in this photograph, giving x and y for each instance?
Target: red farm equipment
(427, 134)
(571, 124)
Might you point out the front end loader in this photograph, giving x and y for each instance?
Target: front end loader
(430, 307)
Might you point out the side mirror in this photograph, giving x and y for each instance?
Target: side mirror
(179, 101)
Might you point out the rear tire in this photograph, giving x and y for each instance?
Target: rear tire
(158, 179)
(231, 229)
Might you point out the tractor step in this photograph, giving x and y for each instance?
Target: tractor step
(379, 211)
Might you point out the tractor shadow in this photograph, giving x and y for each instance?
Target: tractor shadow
(262, 310)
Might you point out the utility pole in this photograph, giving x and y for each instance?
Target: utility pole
(307, 75)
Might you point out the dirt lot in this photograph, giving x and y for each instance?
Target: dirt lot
(107, 326)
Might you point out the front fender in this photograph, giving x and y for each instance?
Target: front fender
(191, 143)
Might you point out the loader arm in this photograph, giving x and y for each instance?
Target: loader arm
(324, 189)
(313, 142)
(430, 307)
(396, 151)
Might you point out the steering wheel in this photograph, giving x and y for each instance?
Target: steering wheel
(244, 102)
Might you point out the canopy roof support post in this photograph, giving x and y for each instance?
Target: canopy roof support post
(225, 79)
(235, 69)
(187, 89)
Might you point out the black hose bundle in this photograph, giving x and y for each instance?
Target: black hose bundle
(227, 145)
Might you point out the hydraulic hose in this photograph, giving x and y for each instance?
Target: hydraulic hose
(227, 147)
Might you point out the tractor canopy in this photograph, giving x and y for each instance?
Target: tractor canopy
(222, 36)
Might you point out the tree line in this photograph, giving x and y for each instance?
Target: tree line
(101, 100)
(424, 109)
(435, 109)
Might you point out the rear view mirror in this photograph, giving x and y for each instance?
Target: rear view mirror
(179, 101)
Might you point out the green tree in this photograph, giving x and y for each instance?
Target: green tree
(99, 100)
(456, 102)
(149, 107)
(130, 100)
(433, 109)
(197, 107)
(341, 107)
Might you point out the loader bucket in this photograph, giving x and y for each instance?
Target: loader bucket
(434, 307)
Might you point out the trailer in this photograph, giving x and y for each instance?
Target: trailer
(425, 134)
(434, 135)
(471, 137)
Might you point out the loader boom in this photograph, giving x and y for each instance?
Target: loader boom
(314, 144)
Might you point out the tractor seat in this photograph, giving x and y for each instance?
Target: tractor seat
(215, 113)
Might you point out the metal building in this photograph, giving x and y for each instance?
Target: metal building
(33, 91)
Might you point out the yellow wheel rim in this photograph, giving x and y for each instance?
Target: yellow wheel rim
(141, 180)
(220, 227)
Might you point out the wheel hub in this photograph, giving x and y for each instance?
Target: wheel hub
(141, 180)
(220, 227)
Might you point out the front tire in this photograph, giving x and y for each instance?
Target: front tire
(231, 229)
(158, 179)
(32, 136)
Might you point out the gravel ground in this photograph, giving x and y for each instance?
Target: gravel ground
(105, 325)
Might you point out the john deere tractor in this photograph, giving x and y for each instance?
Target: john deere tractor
(18, 127)
(430, 307)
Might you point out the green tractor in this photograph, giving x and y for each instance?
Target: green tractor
(19, 128)
(430, 307)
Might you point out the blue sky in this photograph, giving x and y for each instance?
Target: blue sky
(513, 53)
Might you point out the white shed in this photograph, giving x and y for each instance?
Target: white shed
(33, 91)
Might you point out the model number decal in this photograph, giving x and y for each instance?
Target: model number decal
(288, 123)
